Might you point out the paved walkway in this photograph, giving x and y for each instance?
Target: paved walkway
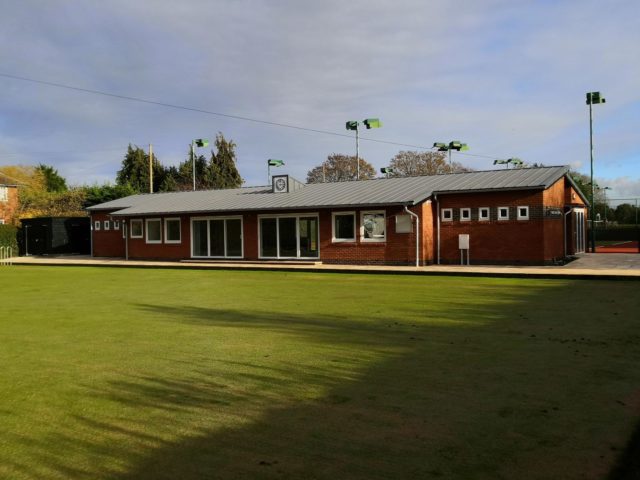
(589, 265)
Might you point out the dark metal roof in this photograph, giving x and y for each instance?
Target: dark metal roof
(382, 191)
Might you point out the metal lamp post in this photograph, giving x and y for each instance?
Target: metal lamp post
(198, 142)
(513, 161)
(386, 171)
(353, 125)
(272, 162)
(452, 145)
(592, 98)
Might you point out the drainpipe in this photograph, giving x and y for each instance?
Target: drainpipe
(417, 234)
(565, 231)
(435, 197)
(91, 236)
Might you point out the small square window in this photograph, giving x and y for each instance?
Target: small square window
(373, 227)
(96, 225)
(447, 214)
(344, 227)
(503, 213)
(136, 228)
(116, 224)
(465, 214)
(107, 225)
(483, 214)
(523, 213)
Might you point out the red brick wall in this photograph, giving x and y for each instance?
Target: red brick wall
(399, 248)
(512, 241)
(8, 208)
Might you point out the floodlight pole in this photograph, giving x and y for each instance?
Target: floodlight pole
(592, 233)
(357, 153)
(193, 165)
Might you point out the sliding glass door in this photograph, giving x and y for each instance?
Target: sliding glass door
(216, 237)
(289, 236)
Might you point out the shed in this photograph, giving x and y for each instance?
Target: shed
(55, 235)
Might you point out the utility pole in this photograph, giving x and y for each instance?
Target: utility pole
(150, 168)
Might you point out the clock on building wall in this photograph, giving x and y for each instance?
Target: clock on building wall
(281, 184)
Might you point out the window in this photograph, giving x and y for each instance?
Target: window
(107, 225)
(4, 194)
(213, 236)
(172, 232)
(116, 224)
(373, 227)
(483, 214)
(1, 221)
(523, 213)
(154, 234)
(288, 236)
(503, 213)
(96, 225)
(447, 214)
(344, 227)
(465, 214)
(136, 228)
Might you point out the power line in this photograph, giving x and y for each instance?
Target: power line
(219, 114)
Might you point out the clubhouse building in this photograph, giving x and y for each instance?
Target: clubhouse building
(530, 216)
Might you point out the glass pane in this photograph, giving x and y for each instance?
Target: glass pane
(309, 237)
(268, 237)
(345, 227)
(153, 231)
(200, 238)
(216, 240)
(373, 225)
(234, 237)
(136, 228)
(173, 230)
(288, 240)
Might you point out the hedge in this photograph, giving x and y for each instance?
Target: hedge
(8, 237)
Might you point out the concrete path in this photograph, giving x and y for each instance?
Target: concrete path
(609, 266)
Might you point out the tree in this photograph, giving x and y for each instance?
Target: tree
(95, 194)
(222, 167)
(135, 170)
(340, 168)
(412, 163)
(183, 178)
(53, 181)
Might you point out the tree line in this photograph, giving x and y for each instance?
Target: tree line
(44, 192)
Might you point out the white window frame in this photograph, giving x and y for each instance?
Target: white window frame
(482, 218)
(166, 237)
(233, 217)
(468, 219)
(96, 225)
(373, 240)
(136, 220)
(106, 225)
(333, 227)
(146, 228)
(1, 221)
(500, 216)
(4, 193)
(116, 224)
(449, 211)
(124, 229)
(297, 216)
(526, 215)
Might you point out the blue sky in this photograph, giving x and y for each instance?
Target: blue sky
(507, 77)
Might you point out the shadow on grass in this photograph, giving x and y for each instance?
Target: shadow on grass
(519, 394)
